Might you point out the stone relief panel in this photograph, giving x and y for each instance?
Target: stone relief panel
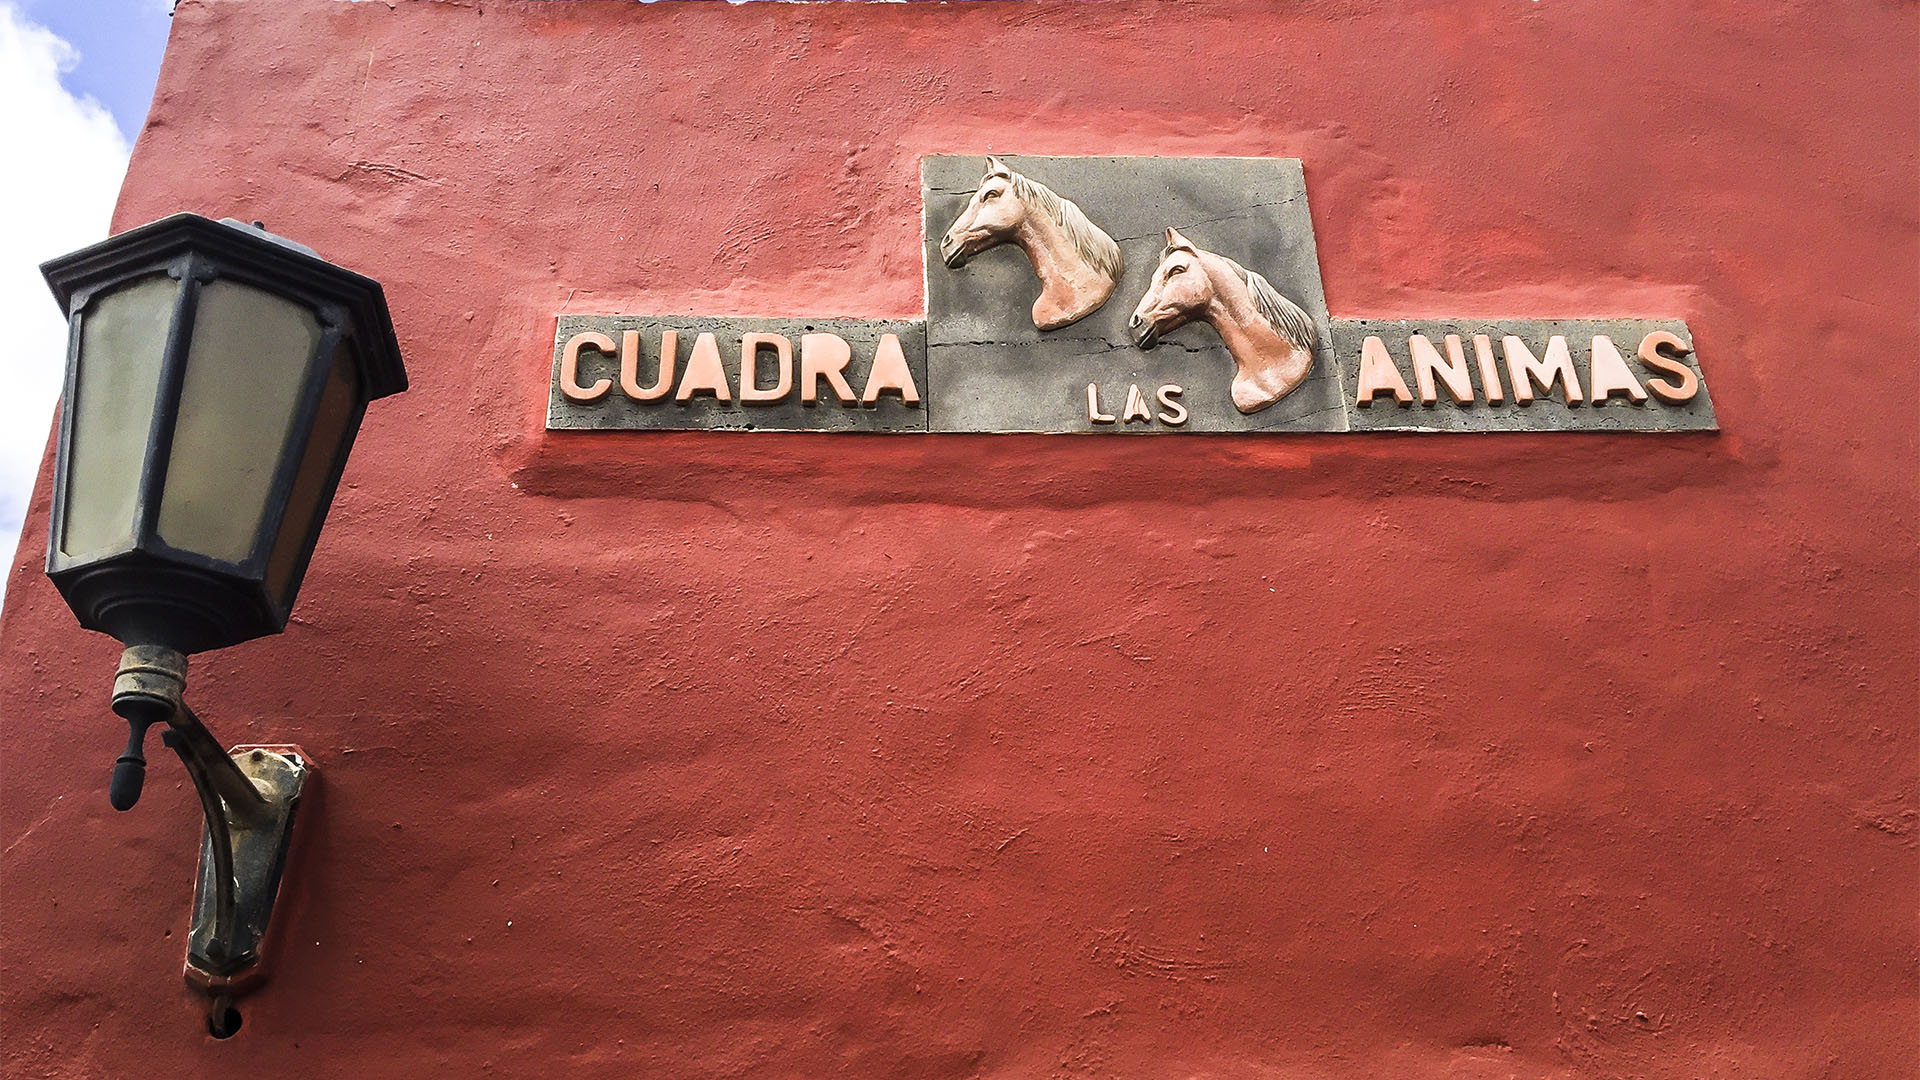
(1272, 341)
(995, 369)
(1077, 263)
(1221, 326)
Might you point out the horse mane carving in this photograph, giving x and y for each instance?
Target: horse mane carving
(1272, 339)
(1089, 241)
(1289, 318)
(1077, 262)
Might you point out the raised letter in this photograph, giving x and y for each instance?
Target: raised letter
(824, 356)
(1522, 368)
(1136, 407)
(1093, 406)
(1426, 361)
(890, 373)
(1608, 373)
(1650, 355)
(630, 365)
(1489, 371)
(1176, 413)
(1379, 374)
(704, 371)
(570, 367)
(750, 346)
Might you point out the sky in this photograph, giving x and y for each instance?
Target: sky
(76, 77)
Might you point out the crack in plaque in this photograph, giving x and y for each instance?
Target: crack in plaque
(1237, 214)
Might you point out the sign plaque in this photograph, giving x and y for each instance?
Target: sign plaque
(682, 373)
(1112, 295)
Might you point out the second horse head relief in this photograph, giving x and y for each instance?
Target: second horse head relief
(1271, 339)
(1077, 263)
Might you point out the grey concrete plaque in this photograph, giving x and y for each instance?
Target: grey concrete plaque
(1550, 410)
(1125, 296)
(689, 405)
(991, 368)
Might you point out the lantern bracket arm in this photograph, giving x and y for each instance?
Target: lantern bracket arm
(247, 797)
(211, 768)
(243, 850)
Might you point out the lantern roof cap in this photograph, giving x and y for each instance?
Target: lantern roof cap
(297, 268)
(259, 228)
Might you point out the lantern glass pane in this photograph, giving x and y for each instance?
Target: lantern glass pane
(123, 338)
(333, 431)
(246, 366)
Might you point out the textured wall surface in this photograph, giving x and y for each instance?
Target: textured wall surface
(768, 756)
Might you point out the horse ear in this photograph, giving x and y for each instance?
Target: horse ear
(996, 167)
(1175, 240)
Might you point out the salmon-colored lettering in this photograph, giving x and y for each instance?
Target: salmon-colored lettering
(751, 345)
(890, 372)
(1379, 374)
(1651, 355)
(825, 356)
(1452, 370)
(1525, 370)
(630, 365)
(570, 367)
(704, 372)
(1608, 374)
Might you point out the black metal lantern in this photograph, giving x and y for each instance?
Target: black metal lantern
(216, 378)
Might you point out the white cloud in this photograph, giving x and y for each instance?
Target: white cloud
(68, 159)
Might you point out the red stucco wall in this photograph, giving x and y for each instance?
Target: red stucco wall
(772, 756)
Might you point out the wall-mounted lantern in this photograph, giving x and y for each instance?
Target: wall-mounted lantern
(216, 377)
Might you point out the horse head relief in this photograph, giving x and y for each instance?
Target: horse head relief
(1271, 339)
(1078, 264)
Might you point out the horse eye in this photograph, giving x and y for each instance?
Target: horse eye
(1172, 270)
(985, 195)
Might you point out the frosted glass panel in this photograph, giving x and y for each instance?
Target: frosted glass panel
(123, 336)
(245, 369)
(333, 428)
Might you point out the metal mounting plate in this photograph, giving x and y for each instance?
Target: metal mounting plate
(259, 859)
